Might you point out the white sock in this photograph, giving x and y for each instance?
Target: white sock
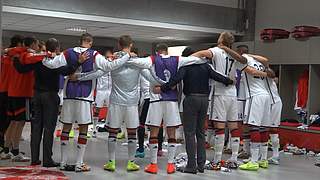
(64, 151)
(153, 153)
(95, 122)
(209, 139)
(255, 147)
(81, 148)
(171, 152)
(275, 145)
(235, 144)
(246, 145)
(218, 147)
(112, 142)
(264, 151)
(132, 145)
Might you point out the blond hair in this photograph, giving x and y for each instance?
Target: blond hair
(226, 38)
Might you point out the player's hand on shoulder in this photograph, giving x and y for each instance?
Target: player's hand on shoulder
(83, 57)
(157, 90)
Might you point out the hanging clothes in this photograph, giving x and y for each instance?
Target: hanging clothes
(302, 90)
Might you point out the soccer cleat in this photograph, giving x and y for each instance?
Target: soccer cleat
(263, 164)
(89, 135)
(20, 158)
(6, 156)
(274, 161)
(71, 134)
(139, 154)
(66, 167)
(82, 168)
(151, 168)
(250, 166)
(110, 166)
(121, 135)
(94, 134)
(171, 168)
(227, 151)
(132, 166)
(58, 133)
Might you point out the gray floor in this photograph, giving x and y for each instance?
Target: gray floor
(292, 167)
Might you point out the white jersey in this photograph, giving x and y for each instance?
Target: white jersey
(273, 89)
(104, 82)
(227, 66)
(255, 85)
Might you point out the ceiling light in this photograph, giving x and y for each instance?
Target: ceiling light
(77, 29)
(171, 38)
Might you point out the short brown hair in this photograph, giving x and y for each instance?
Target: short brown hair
(86, 37)
(125, 41)
(226, 38)
(162, 47)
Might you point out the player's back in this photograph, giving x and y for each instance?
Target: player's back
(125, 82)
(255, 85)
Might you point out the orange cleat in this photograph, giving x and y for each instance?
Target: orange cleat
(171, 168)
(151, 168)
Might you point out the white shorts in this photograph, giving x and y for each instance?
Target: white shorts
(168, 111)
(76, 111)
(119, 115)
(225, 108)
(257, 111)
(241, 107)
(209, 108)
(102, 98)
(275, 114)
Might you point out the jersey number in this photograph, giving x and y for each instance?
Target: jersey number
(259, 68)
(228, 68)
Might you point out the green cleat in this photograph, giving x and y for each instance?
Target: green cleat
(110, 166)
(121, 135)
(250, 166)
(71, 134)
(263, 164)
(132, 166)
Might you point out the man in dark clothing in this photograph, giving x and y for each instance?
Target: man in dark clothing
(195, 105)
(46, 103)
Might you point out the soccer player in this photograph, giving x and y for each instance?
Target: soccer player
(164, 106)
(257, 112)
(225, 109)
(103, 91)
(123, 108)
(20, 90)
(16, 41)
(276, 108)
(78, 96)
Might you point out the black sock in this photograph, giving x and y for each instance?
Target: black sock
(1, 141)
(15, 152)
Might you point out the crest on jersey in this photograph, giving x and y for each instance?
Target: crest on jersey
(167, 75)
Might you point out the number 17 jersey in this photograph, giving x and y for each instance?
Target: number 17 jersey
(225, 65)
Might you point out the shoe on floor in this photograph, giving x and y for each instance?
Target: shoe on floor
(132, 166)
(20, 158)
(263, 164)
(82, 168)
(189, 170)
(6, 156)
(231, 164)
(51, 164)
(140, 154)
(36, 163)
(121, 135)
(274, 161)
(66, 167)
(71, 134)
(243, 155)
(317, 164)
(110, 166)
(250, 166)
(171, 168)
(151, 168)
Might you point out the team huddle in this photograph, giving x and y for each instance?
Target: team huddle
(244, 100)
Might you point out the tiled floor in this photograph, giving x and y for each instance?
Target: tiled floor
(292, 167)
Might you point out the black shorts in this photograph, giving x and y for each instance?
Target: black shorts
(4, 121)
(18, 109)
